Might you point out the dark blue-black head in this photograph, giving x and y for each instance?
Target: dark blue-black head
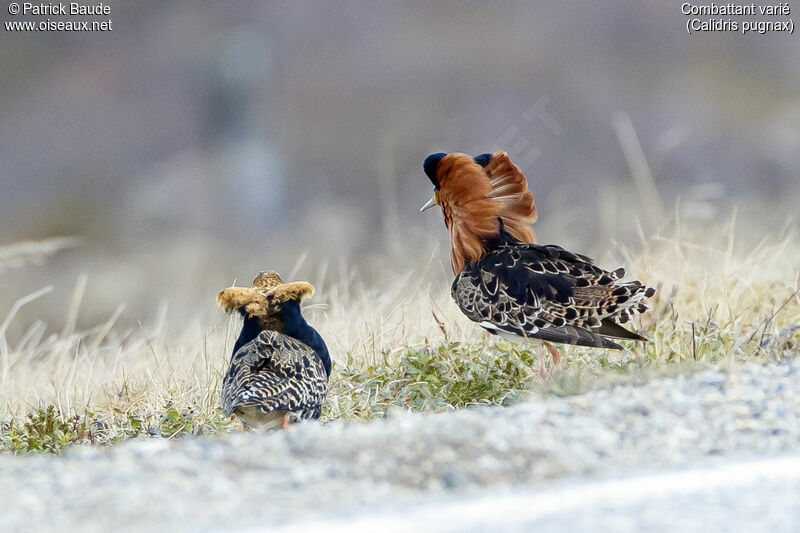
(483, 159)
(430, 165)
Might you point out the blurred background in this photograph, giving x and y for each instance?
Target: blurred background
(200, 142)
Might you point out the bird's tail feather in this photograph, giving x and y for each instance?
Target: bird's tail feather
(612, 329)
(566, 335)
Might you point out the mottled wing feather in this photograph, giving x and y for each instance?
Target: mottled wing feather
(275, 372)
(546, 292)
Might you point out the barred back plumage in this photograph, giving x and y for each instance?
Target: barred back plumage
(546, 292)
(271, 376)
(280, 365)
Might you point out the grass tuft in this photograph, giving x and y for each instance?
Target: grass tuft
(439, 378)
(46, 429)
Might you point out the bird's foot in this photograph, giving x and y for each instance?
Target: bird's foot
(544, 372)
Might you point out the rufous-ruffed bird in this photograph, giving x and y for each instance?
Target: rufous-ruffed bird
(505, 281)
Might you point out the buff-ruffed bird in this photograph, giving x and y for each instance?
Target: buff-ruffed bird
(505, 281)
(280, 365)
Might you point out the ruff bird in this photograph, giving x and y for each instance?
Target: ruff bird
(509, 284)
(280, 365)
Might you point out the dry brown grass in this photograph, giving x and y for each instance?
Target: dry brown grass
(720, 302)
(33, 252)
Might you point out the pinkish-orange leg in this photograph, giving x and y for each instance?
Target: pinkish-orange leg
(553, 352)
(285, 421)
(544, 373)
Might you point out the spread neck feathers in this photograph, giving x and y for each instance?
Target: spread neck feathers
(263, 301)
(270, 304)
(476, 196)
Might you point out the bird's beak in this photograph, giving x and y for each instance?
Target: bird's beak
(430, 203)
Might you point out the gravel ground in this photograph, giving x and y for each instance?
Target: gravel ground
(688, 451)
